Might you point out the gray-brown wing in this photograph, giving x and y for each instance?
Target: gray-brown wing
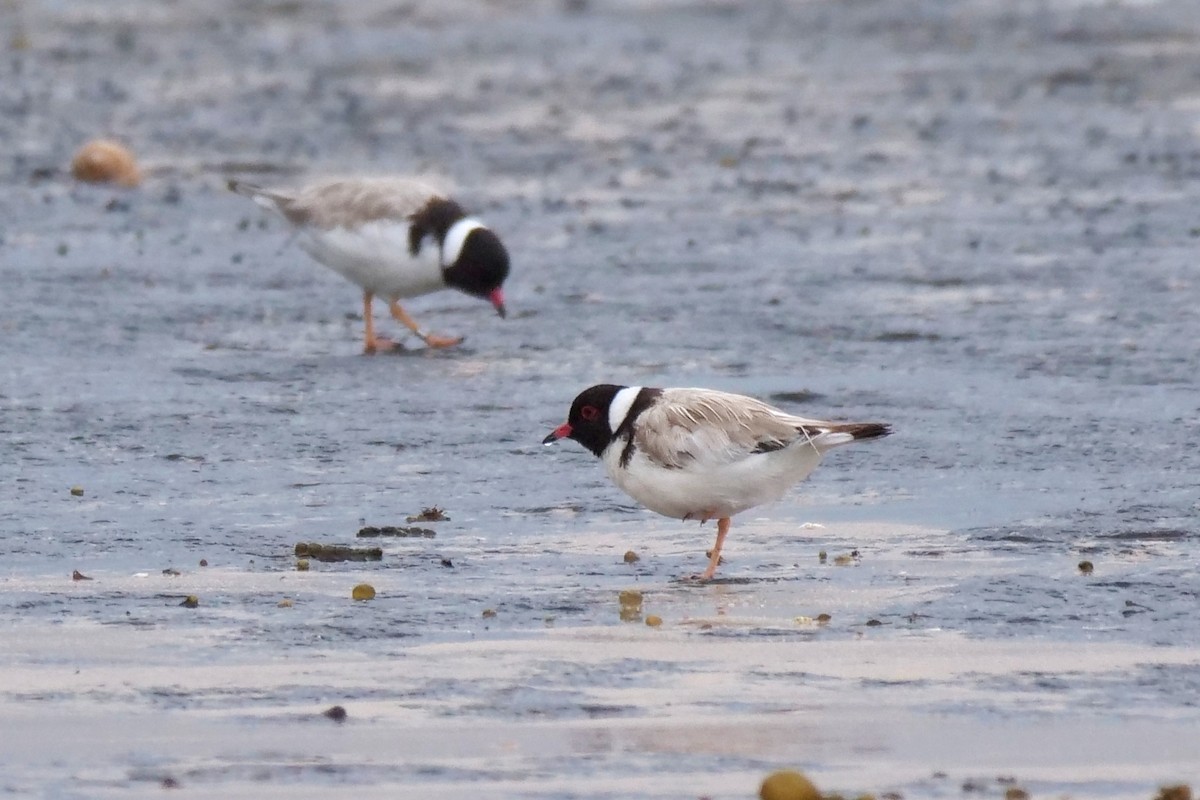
(700, 428)
(354, 202)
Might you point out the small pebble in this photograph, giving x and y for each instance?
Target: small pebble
(286, 602)
(204, 562)
(430, 514)
(191, 601)
(1015, 793)
(1086, 567)
(302, 565)
(631, 557)
(630, 603)
(489, 613)
(1180, 791)
(788, 784)
(77, 491)
(363, 591)
(79, 576)
(335, 713)
(873, 623)
(654, 620)
(629, 597)
(172, 572)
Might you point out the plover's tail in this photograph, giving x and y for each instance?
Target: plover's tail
(831, 434)
(244, 187)
(863, 430)
(264, 197)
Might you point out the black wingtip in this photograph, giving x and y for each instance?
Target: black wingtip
(242, 187)
(869, 430)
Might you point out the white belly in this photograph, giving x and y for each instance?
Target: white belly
(719, 491)
(376, 257)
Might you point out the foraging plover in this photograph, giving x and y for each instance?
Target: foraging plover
(396, 238)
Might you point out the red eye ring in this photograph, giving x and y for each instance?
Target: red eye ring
(589, 413)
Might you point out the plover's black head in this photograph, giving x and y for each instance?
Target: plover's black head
(588, 422)
(473, 259)
(480, 262)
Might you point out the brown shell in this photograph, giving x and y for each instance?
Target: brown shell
(106, 161)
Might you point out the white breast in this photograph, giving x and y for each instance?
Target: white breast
(720, 491)
(376, 257)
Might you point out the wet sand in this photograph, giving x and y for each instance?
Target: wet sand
(974, 221)
(856, 715)
(554, 696)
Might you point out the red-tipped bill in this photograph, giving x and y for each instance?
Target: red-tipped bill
(497, 298)
(561, 432)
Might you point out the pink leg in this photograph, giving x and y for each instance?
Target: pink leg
(372, 343)
(431, 339)
(715, 559)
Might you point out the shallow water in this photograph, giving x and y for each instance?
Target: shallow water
(976, 222)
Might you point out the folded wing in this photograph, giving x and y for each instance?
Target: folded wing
(343, 203)
(701, 429)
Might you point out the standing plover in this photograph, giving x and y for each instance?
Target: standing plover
(701, 454)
